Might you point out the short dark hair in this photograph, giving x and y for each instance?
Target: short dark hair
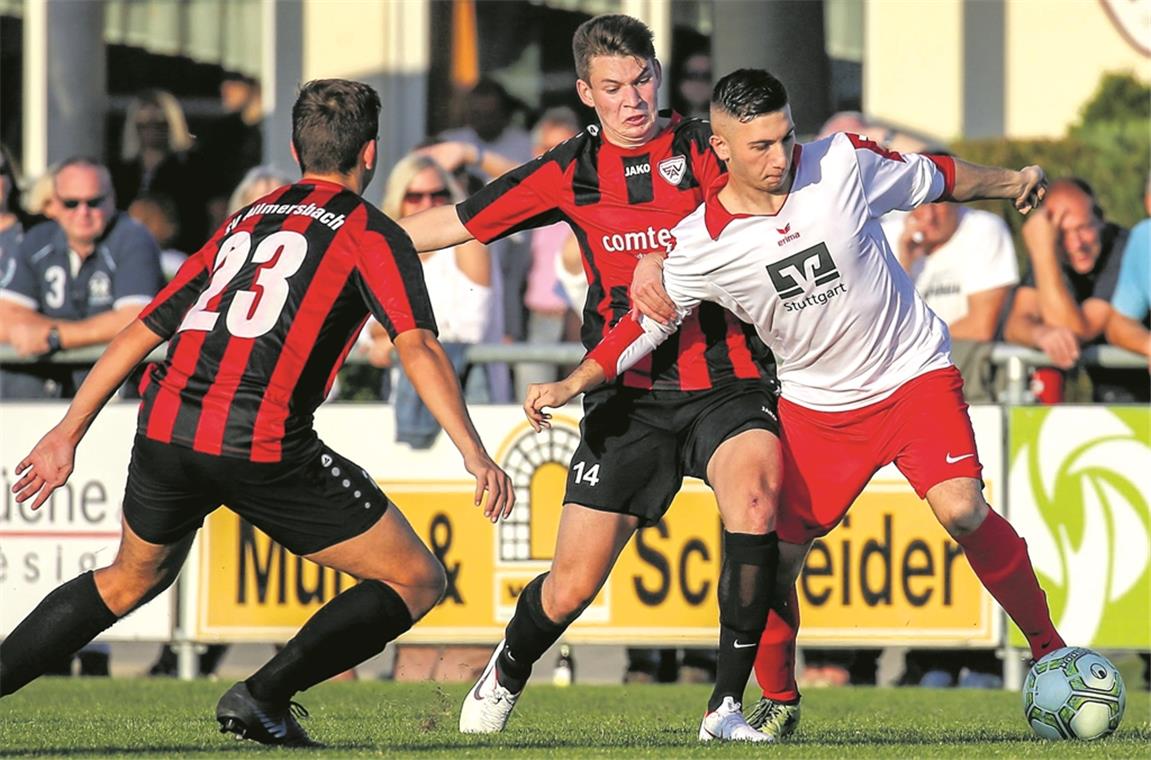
(613, 34)
(748, 93)
(331, 121)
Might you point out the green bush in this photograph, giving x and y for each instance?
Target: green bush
(1110, 149)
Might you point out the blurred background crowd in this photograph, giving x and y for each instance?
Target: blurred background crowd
(186, 139)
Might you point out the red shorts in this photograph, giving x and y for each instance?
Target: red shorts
(829, 457)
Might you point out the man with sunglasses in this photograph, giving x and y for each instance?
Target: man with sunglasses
(75, 281)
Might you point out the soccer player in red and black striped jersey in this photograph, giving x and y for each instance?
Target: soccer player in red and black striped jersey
(257, 323)
(703, 405)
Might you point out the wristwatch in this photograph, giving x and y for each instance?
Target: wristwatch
(53, 339)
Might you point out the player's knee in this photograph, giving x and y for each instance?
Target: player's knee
(964, 517)
(752, 509)
(431, 579)
(567, 600)
(123, 589)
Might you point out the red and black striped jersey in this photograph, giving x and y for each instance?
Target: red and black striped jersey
(260, 319)
(622, 203)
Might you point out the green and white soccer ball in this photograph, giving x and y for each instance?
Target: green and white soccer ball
(1074, 693)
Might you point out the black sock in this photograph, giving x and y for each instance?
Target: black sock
(529, 634)
(354, 626)
(745, 582)
(65, 620)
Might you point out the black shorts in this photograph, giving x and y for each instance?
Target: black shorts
(636, 445)
(304, 505)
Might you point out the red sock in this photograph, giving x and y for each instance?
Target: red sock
(999, 558)
(775, 660)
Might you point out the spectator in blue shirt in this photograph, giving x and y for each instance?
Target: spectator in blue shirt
(75, 281)
(1131, 302)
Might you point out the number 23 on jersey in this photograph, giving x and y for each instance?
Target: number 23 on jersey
(252, 312)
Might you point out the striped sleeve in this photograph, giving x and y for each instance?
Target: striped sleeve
(390, 277)
(525, 198)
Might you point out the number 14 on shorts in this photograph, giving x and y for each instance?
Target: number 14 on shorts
(585, 474)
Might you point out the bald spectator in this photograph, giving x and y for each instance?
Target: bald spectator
(962, 262)
(76, 281)
(1064, 302)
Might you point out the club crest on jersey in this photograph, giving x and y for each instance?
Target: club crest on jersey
(100, 289)
(672, 169)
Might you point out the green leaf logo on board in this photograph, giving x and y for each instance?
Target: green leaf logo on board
(1079, 491)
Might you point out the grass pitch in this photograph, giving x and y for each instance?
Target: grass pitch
(57, 717)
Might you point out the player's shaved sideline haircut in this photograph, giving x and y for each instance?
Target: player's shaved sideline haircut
(331, 121)
(747, 93)
(613, 34)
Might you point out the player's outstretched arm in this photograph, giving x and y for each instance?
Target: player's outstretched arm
(435, 228)
(434, 378)
(541, 396)
(1025, 188)
(50, 463)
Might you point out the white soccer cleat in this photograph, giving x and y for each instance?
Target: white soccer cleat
(488, 705)
(727, 724)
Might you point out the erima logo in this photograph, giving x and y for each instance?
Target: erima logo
(787, 234)
(793, 274)
(672, 169)
(632, 171)
(325, 460)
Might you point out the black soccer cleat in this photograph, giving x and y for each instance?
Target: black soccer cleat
(246, 717)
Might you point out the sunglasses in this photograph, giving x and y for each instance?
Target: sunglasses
(434, 195)
(697, 76)
(93, 203)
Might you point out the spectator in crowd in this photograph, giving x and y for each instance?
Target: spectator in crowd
(489, 144)
(1131, 302)
(459, 282)
(692, 96)
(76, 281)
(489, 126)
(1064, 302)
(157, 214)
(155, 160)
(233, 144)
(880, 132)
(547, 308)
(255, 184)
(962, 261)
(11, 222)
(40, 200)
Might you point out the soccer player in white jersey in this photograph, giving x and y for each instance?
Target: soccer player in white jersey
(789, 240)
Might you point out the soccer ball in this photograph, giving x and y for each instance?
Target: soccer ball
(1074, 693)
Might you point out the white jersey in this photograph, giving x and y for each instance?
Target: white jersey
(979, 256)
(817, 280)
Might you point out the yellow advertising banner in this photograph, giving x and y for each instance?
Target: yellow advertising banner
(888, 574)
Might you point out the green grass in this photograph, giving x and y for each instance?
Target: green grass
(150, 718)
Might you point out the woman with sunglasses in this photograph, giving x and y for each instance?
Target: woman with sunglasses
(463, 286)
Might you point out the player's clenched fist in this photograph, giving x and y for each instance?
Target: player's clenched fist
(1034, 189)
